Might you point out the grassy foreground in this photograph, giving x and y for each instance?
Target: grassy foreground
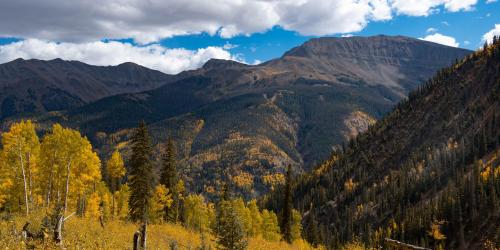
(85, 233)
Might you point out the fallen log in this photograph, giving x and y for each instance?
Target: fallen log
(398, 245)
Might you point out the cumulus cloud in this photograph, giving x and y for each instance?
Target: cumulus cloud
(151, 20)
(441, 39)
(427, 7)
(494, 32)
(431, 30)
(112, 53)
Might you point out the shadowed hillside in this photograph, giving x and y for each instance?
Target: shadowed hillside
(427, 174)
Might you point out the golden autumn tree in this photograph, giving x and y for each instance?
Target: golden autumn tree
(21, 148)
(116, 170)
(161, 198)
(270, 227)
(70, 166)
(256, 218)
(196, 213)
(92, 208)
(436, 234)
(6, 182)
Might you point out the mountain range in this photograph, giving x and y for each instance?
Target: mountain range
(228, 118)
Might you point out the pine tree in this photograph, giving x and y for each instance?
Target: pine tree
(286, 216)
(169, 169)
(228, 229)
(168, 178)
(141, 175)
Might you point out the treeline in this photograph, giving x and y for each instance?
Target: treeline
(427, 174)
(62, 174)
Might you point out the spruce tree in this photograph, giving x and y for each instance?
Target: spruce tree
(229, 229)
(141, 174)
(286, 215)
(168, 178)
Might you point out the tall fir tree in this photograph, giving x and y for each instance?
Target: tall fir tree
(286, 215)
(141, 174)
(169, 179)
(229, 229)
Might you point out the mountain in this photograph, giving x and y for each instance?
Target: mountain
(427, 173)
(36, 86)
(253, 120)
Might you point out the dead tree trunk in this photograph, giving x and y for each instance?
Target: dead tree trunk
(144, 237)
(137, 239)
(58, 236)
(397, 245)
(140, 237)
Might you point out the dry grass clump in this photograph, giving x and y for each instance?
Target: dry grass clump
(86, 233)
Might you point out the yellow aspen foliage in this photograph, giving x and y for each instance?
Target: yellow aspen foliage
(92, 208)
(273, 180)
(21, 148)
(296, 228)
(162, 198)
(115, 166)
(349, 185)
(196, 213)
(6, 183)
(69, 166)
(243, 180)
(106, 205)
(256, 219)
(270, 227)
(435, 231)
(243, 213)
(121, 202)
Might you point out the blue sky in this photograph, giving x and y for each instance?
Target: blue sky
(467, 27)
(176, 35)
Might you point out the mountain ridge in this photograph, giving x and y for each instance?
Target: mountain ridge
(263, 117)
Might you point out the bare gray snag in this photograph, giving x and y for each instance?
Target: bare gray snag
(397, 245)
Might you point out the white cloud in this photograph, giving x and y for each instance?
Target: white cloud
(431, 30)
(320, 17)
(466, 42)
(427, 7)
(112, 53)
(458, 5)
(256, 62)
(229, 46)
(490, 1)
(347, 35)
(441, 39)
(151, 20)
(494, 32)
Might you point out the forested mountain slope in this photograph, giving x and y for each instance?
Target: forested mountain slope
(249, 121)
(257, 119)
(426, 174)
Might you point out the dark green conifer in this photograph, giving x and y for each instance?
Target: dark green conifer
(169, 179)
(286, 215)
(229, 229)
(141, 174)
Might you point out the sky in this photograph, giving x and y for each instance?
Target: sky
(176, 35)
